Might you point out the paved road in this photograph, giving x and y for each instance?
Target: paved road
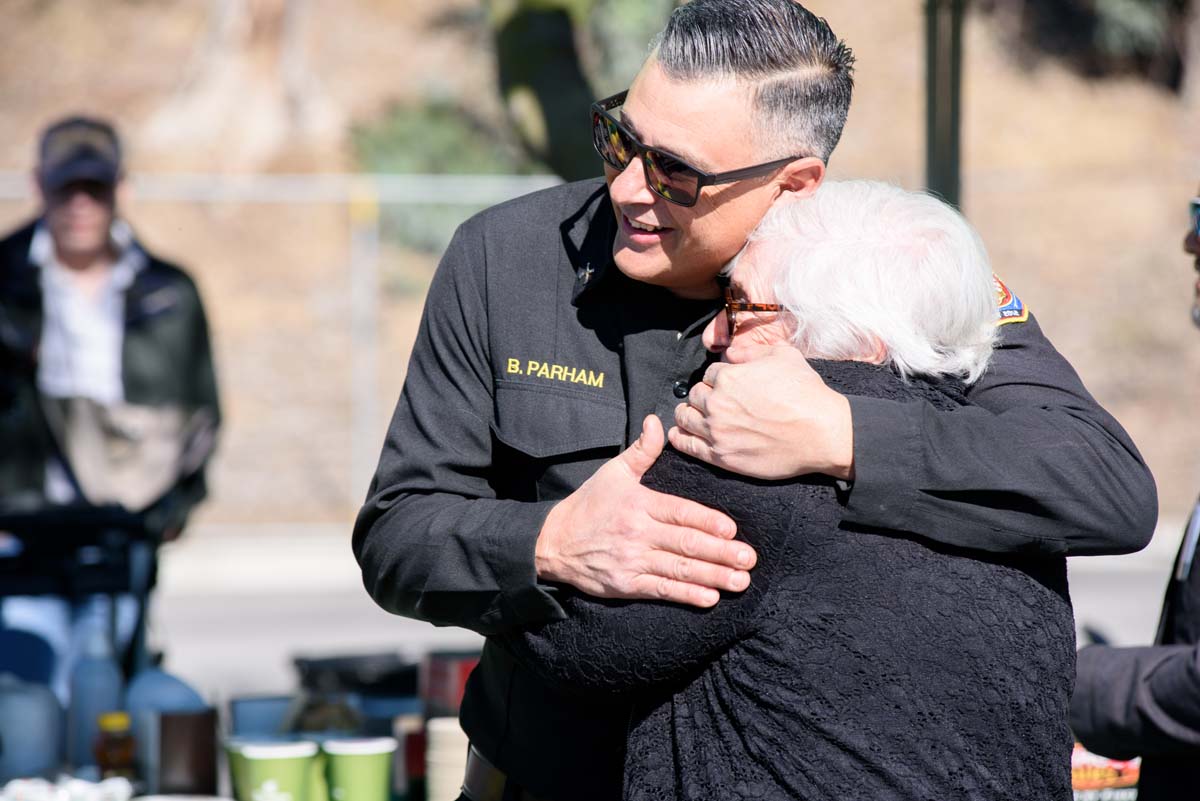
(235, 604)
(234, 607)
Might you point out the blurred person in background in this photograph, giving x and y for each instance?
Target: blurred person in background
(1145, 701)
(557, 322)
(107, 389)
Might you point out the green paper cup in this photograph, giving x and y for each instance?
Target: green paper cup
(237, 770)
(318, 790)
(359, 769)
(271, 771)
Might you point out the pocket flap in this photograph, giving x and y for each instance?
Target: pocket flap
(546, 421)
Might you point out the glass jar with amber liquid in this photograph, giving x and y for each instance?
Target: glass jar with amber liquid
(115, 748)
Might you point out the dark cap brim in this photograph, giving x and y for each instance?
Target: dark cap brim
(82, 169)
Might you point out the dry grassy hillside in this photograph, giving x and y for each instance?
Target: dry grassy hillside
(1078, 188)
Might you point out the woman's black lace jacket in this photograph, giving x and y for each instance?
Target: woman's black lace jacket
(858, 665)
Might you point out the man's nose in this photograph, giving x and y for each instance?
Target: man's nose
(630, 184)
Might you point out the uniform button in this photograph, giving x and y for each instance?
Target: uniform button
(680, 389)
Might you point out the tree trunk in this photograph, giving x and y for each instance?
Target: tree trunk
(543, 86)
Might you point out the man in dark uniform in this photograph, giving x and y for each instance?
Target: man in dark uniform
(1145, 701)
(558, 322)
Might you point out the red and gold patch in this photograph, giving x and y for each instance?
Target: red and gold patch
(1011, 309)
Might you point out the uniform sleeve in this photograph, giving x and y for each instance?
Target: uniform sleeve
(432, 540)
(1034, 464)
(1138, 701)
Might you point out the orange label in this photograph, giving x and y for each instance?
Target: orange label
(1093, 772)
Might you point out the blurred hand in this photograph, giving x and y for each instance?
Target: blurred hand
(614, 538)
(766, 413)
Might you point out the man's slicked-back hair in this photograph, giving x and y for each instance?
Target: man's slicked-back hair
(801, 73)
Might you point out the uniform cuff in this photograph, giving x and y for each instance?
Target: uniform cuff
(1174, 690)
(523, 600)
(886, 449)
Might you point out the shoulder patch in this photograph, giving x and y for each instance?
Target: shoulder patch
(1012, 310)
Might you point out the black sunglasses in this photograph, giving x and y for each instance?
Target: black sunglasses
(667, 175)
(1194, 207)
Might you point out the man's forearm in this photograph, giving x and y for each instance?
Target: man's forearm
(1035, 462)
(454, 562)
(433, 540)
(1045, 479)
(1138, 701)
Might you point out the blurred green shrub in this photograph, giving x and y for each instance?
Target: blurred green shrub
(549, 56)
(433, 137)
(437, 136)
(619, 34)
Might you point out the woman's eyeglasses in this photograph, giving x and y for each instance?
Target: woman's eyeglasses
(667, 175)
(732, 306)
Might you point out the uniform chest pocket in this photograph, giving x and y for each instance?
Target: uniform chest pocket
(545, 422)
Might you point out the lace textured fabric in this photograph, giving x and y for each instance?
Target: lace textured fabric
(858, 665)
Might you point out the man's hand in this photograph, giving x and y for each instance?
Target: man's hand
(614, 538)
(766, 413)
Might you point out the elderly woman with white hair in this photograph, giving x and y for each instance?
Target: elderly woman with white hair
(858, 664)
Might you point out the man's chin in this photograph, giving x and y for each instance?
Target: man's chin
(656, 269)
(641, 267)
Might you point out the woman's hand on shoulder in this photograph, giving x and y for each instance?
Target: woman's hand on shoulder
(766, 413)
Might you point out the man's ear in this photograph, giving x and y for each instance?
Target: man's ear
(800, 178)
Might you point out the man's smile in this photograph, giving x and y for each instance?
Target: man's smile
(642, 232)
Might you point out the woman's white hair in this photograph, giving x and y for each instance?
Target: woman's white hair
(863, 263)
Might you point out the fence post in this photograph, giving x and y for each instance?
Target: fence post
(943, 97)
(364, 325)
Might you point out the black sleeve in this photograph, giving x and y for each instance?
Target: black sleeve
(193, 388)
(203, 392)
(622, 646)
(432, 539)
(1138, 701)
(204, 405)
(1033, 464)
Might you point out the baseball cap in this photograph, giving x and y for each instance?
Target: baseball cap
(79, 149)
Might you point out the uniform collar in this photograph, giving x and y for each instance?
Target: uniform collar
(588, 239)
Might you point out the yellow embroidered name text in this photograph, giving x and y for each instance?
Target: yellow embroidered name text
(555, 372)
